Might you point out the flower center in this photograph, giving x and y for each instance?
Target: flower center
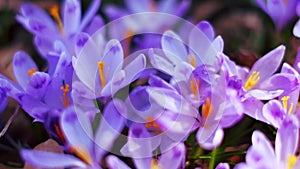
(54, 12)
(252, 80)
(291, 160)
(206, 108)
(102, 75)
(65, 99)
(152, 125)
(59, 133)
(284, 101)
(30, 72)
(82, 153)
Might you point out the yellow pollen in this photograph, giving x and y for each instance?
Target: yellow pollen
(291, 160)
(194, 84)
(101, 66)
(154, 164)
(54, 12)
(65, 100)
(206, 108)
(30, 72)
(192, 60)
(252, 80)
(284, 101)
(82, 153)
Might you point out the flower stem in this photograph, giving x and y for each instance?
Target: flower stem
(213, 158)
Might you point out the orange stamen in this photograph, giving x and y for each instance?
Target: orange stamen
(30, 72)
(206, 108)
(194, 84)
(82, 153)
(65, 100)
(101, 73)
(54, 12)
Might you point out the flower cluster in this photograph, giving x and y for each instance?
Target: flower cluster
(147, 86)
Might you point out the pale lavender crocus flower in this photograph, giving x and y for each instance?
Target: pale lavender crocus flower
(281, 11)
(173, 158)
(262, 154)
(83, 149)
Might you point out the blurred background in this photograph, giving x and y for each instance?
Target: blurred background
(247, 31)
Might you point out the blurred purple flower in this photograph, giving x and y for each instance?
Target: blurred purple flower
(281, 11)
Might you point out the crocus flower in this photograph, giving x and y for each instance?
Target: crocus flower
(173, 158)
(281, 11)
(184, 63)
(102, 70)
(59, 35)
(83, 148)
(275, 111)
(262, 155)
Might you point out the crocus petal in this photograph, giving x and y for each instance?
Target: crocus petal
(207, 29)
(253, 108)
(71, 16)
(50, 160)
(223, 166)
(113, 57)
(111, 125)
(269, 63)
(139, 143)
(296, 29)
(91, 11)
(213, 141)
(44, 45)
(286, 141)
(114, 162)
(38, 84)
(22, 64)
(264, 94)
(114, 84)
(136, 6)
(96, 23)
(274, 112)
(77, 133)
(160, 62)
(3, 100)
(134, 67)
(174, 158)
(259, 140)
(81, 40)
(173, 47)
(183, 71)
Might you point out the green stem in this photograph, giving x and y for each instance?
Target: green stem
(212, 160)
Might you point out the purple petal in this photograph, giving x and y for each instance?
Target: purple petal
(269, 63)
(174, 158)
(223, 166)
(115, 163)
(78, 133)
(286, 141)
(135, 67)
(38, 84)
(3, 99)
(113, 57)
(160, 62)
(90, 13)
(173, 47)
(96, 23)
(23, 63)
(81, 40)
(253, 108)
(213, 141)
(274, 112)
(71, 16)
(50, 160)
(207, 29)
(264, 94)
(137, 6)
(44, 46)
(296, 29)
(111, 125)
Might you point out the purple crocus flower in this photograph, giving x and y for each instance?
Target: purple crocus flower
(173, 158)
(52, 37)
(102, 70)
(83, 148)
(281, 11)
(275, 111)
(262, 155)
